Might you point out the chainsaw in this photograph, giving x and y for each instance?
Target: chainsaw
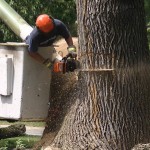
(67, 64)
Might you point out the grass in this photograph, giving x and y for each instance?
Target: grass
(22, 141)
(25, 141)
(33, 124)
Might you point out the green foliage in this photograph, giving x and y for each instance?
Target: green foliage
(18, 142)
(147, 10)
(64, 10)
(4, 146)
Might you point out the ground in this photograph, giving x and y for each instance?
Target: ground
(62, 46)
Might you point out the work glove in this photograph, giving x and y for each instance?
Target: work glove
(72, 51)
(48, 63)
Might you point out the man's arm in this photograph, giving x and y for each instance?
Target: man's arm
(64, 32)
(69, 41)
(71, 48)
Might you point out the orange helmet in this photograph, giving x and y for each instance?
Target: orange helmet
(44, 23)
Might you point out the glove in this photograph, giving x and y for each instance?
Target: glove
(72, 51)
(48, 63)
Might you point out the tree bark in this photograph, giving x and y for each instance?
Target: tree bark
(112, 106)
(12, 131)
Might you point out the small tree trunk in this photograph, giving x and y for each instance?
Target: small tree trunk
(12, 131)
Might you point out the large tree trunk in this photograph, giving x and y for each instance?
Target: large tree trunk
(113, 102)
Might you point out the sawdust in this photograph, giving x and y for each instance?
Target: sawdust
(62, 86)
(62, 89)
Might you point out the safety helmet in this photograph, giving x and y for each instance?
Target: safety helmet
(44, 23)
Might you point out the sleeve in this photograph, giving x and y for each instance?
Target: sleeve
(33, 44)
(63, 31)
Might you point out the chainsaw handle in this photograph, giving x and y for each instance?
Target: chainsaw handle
(66, 57)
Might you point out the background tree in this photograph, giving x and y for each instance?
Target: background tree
(147, 10)
(64, 10)
(112, 103)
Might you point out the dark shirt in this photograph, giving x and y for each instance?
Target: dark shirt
(39, 39)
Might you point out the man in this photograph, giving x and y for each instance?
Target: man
(44, 34)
